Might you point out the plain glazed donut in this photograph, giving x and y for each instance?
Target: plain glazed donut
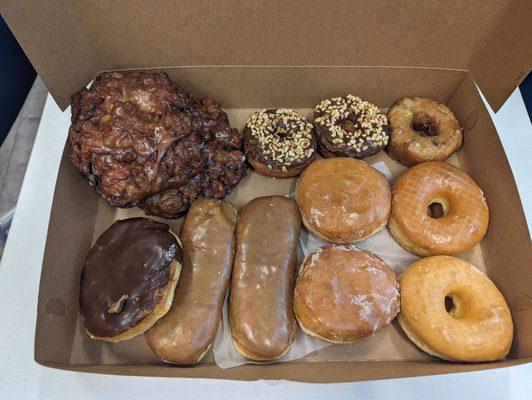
(465, 211)
(422, 130)
(343, 200)
(452, 311)
(344, 294)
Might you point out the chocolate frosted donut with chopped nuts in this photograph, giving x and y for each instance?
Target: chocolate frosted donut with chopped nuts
(279, 142)
(350, 127)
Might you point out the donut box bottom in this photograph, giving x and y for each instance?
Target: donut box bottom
(79, 215)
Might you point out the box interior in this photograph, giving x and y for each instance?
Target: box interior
(79, 215)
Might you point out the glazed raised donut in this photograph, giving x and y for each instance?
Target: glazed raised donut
(350, 127)
(129, 278)
(344, 294)
(465, 211)
(187, 331)
(422, 130)
(262, 320)
(279, 142)
(451, 310)
(343, 200)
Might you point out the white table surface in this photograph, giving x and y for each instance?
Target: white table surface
(22, 378)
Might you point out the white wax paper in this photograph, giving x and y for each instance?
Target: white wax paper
(382, 244)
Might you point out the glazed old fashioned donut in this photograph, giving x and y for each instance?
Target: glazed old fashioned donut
(129, 278)
(350, 127)
(452, 311)
(422, 130)
(343, 200)
(279, 142)
(465, 211)
(344, 294)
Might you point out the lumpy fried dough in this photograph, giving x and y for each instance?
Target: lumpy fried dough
(141, 141)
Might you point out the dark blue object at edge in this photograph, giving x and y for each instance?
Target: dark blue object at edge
(16, 77)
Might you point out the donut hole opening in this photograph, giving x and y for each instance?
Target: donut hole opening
(437, 209)
(281, 129)
(453, 305)
(449, 305)
(424, 125)
(348, 125)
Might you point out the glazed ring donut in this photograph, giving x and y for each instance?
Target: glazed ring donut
(422, 130)
(279, 142)
(465, 211)
(350, 127)
(452, 311)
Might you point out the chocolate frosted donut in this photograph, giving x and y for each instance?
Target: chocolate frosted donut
(129, 277)
(279, 142)
(350, 127)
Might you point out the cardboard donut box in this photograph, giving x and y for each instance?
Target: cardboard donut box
(258, 54)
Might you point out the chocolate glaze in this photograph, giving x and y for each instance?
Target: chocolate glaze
(252, 146)
(329, 149)
(130, 258)
(351, 115)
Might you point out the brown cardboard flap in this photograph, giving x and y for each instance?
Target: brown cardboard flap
(68, 42)
(53, 43)
(506, 58)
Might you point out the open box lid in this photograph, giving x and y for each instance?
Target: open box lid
(69, 42)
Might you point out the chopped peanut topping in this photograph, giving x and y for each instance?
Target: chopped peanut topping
(368, 130)
(283, 135)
